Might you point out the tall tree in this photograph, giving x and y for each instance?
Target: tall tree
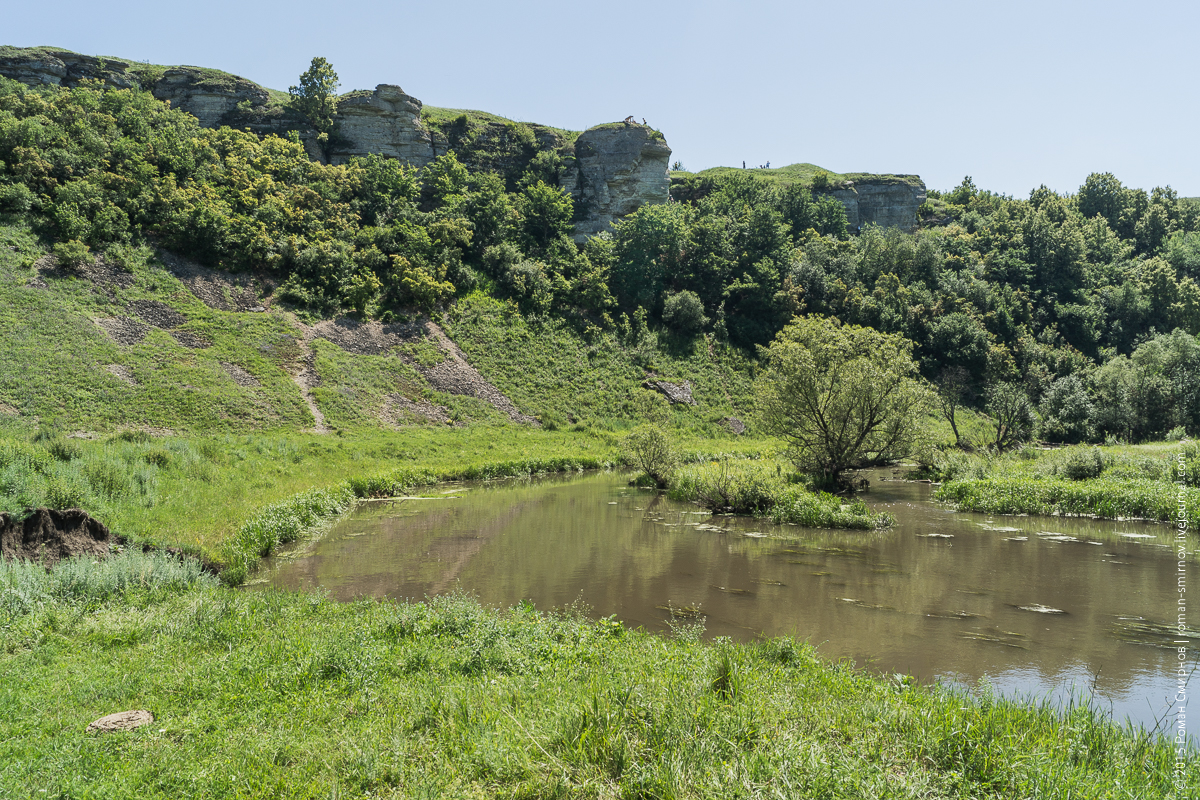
(315, 98)
(841, 396)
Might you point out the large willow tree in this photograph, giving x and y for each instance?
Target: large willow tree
(841, 396)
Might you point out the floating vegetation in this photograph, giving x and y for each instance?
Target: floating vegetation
(1038, 608)
(862, 604)
(997, 636)
(682, 612)
(727, 590)
(1052, 536)
(1138, 535)
(766, 582)
(1016, 538)
(936, 535)
(953, 615)
(1139, 630)
(820, 574)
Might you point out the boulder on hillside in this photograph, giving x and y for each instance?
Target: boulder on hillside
(675, 392)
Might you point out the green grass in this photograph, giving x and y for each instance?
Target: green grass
(1111, 482)
(762, 489)
(548, 369)
(267, 694)
(60, 374)
(801, 173)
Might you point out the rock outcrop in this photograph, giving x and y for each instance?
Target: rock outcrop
(614, 169)
(209, 97)
(618, 169)
(888, 201)
(45, 65)
(674, 392)
(387, 122)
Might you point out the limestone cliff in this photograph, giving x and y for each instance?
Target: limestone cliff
(618, 168)
(47, 65)
(209, 98)
(884, 200)
(386, 121)
(610, 170)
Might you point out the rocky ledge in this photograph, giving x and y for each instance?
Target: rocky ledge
(618, 169)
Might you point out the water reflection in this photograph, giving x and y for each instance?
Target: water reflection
(1038, 606)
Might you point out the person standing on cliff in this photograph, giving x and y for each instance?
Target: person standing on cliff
(743, 163)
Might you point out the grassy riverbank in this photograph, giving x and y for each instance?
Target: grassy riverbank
(1145, 481)
(232, 498)
(292, 695)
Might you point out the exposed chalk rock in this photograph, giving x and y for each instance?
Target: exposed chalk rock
(887, 202)
(387, 122)
(675, 392)
(207, 97)
(618, 169)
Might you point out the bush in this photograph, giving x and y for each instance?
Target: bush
(684, 312)
(64, 449)
(16, 197)
(1084, 464)
(649, 449)
(72, 255)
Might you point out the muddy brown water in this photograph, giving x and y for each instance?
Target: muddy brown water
(1038, 607)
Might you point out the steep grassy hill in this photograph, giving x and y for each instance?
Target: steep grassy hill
(158, 343)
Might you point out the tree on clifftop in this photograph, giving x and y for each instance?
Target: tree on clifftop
(315, 98)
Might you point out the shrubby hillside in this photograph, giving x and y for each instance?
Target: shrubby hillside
(1086, 305)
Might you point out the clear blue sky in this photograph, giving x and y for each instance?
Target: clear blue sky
(1014, 93)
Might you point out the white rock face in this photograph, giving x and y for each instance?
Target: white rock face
(190, 90)
(618, 169)
(64, 68)
(886, 203)
(387, 122)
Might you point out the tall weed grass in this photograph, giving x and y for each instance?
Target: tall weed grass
(1105, 497)
(761, 489)
(26, 586)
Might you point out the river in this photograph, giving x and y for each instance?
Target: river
(1047, 608)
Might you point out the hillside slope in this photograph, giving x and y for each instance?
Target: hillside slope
(161, 344)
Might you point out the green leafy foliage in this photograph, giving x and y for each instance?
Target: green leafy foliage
(841, 396)
(315, 98)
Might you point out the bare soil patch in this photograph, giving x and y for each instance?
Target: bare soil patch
(158, 314)
(100, 272)
(9, 411)
(366, 338)
(190, 340)
(123, 330)
(122, 373)
(240, 376)
(399, 411)
(48, 536)
(224, 291)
